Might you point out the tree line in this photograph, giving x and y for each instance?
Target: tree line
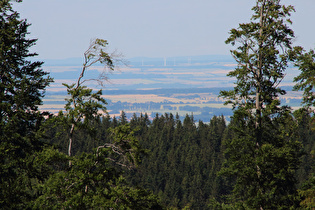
(184, 159)
(83, 159)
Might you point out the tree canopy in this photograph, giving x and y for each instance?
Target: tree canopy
(22, 87)
(82, 158)
(262, 156)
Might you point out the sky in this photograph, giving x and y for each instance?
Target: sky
(148, 28)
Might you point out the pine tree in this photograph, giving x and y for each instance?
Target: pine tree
(21, 89)
(123, 118)
(262, 156)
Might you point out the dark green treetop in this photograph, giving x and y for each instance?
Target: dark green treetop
(262, 133)
(94, 180)
(262, 54)
(22, 87)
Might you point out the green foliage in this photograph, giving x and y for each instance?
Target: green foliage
(115, 164)
(96, 53)
(91, 183)
(263, 152)
(21, 89)
(305, 132)
(123, 119)
(262, 54)
(87, 103)
(182, 166)
(84, 105)
(305, 81)
(92, 180)
(183, 159)
(306, 173)
(82, 109)
(307, 193)
(125, 147)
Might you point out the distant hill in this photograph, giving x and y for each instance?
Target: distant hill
(184, 85)
(63, 62)
(156, 61)
(181, 60)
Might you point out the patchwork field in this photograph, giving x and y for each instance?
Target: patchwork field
(183, 85)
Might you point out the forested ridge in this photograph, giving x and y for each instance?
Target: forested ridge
(184, 157)
(81, 158)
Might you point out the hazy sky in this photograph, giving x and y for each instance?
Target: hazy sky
(150, 28)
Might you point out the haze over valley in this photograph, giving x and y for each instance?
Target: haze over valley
(179, 85)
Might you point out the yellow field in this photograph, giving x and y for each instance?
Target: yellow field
(139, 98)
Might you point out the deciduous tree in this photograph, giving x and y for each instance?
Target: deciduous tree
(305, 82)
(83, 105)
(262, 156)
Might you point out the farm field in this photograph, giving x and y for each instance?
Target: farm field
(203, 106)
(179, 85)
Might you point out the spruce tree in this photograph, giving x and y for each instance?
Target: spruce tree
(21, 89)
(262, 155)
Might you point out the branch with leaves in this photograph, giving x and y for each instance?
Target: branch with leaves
(306, 79)
(124, 149)
(263, 52)
(84, 105)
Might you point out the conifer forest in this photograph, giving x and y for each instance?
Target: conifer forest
(81, 158)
